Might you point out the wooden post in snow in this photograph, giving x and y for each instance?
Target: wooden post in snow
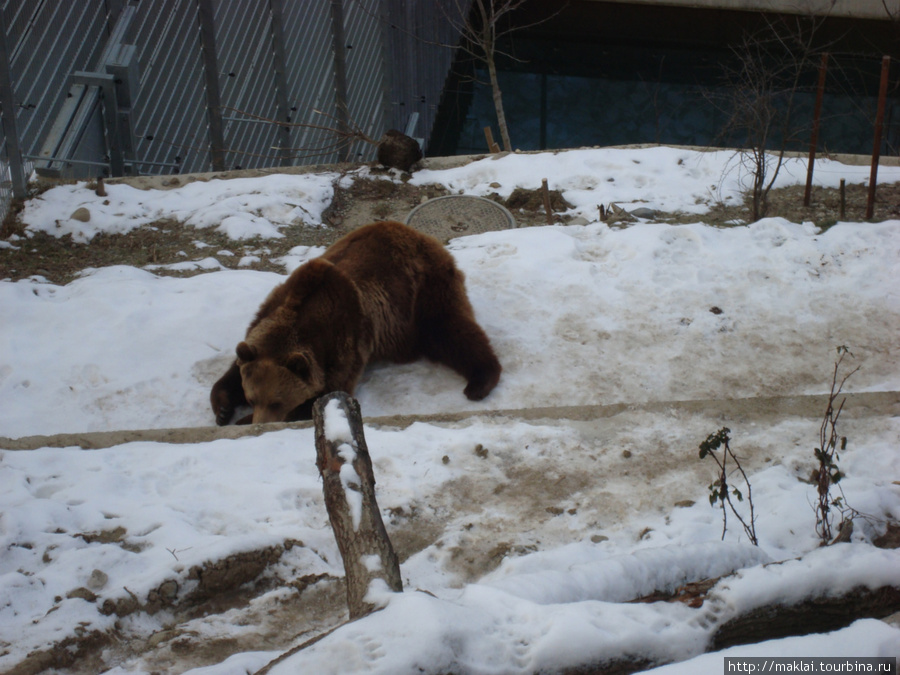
(349, 484)
(489, 137)
(843, 198)
(545, 193)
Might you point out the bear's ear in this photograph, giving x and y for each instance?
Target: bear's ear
(245, 352)
(298, 363)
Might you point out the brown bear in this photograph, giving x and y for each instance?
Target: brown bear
(382, 292)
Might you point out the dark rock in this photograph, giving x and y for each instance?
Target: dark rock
(83, 593)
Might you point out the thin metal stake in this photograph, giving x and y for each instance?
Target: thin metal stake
(879, 126)
(814, 139)
(843, 198)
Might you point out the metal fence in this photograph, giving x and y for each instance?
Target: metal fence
(110, 87)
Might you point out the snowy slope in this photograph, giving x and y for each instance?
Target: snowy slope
(628, 316)
(530, 549)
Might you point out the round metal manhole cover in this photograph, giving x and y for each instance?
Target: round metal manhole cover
(459, 215)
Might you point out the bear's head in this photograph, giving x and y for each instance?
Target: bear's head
(275, 386)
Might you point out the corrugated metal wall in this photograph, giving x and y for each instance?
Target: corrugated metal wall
(42, 37)
(246, 83)
(364, 51)
(420, 54)
(170, 118)
(275, 61)
(307, 30)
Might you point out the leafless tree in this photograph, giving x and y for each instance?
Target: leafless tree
(767, 75)
(482, 28)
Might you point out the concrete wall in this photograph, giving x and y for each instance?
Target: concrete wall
(857, 9)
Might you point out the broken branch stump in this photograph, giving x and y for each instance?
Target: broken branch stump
(349, 484)
(489, 137)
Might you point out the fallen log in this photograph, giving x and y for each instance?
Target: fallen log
(813, 615)
(818, 612)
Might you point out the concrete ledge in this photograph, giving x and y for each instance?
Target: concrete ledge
(869, 404)
(168, 182)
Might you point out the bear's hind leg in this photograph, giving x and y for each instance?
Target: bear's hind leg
(227, 394)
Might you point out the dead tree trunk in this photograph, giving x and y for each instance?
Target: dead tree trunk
(772, 622)
(813, 615)
(498, 103)
(349, 485)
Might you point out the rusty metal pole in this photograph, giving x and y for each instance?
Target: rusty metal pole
(814, 139)
(879, 127)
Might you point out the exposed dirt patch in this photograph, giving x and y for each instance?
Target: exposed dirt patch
(531, 201)
(164, 242)
(216, 586)
(370, 199)
(80, 650)
(824, 209)
(239, 582)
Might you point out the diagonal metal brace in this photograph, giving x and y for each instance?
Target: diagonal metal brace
(106, 83)
(75, 118)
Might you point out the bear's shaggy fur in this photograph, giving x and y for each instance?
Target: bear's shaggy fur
(383, 292)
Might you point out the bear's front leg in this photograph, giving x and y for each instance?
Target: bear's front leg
(302, 412)
(227, 394)
(459, 342)
(482, 378)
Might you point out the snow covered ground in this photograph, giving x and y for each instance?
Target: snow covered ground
(531, 546)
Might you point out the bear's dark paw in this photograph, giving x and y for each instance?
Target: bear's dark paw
(224, 415)
(222, 405)
(481, 385)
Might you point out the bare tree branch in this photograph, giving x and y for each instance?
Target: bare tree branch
(481, 30)
(764, 86)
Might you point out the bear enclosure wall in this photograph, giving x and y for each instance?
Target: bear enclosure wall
(112, 87)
